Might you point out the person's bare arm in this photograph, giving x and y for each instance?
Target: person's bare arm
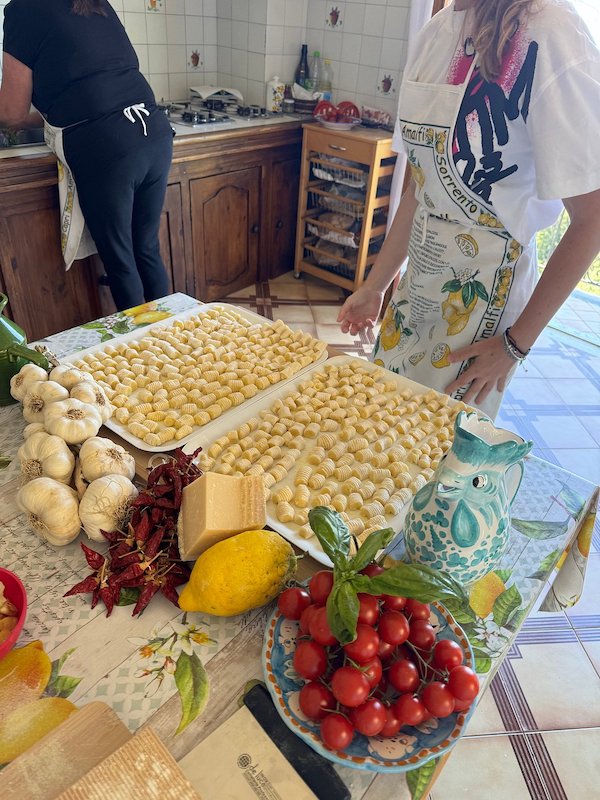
(567, 265)
(362, 308)
(15, 93)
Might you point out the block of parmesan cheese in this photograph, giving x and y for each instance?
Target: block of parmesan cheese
(215, 507)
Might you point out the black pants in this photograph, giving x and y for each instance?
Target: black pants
(121, 179)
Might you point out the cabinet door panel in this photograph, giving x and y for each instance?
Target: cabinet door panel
(43, 298)
(171, 238)
(285, 182)
(225, 211)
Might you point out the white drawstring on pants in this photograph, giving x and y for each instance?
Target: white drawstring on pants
(135, 112)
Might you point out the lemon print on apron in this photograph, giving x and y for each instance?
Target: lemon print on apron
(416, 169)
(463, 292)
(392, 327)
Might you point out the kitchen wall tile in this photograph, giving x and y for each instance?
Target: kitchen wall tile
(211, 78)
(160, 86)
(194, 8)
(177, 58)
(239, 34)
(257, 35)
(239, 62)
(210, 8)
(402, 3)
(274, 42)
(175, 6)
(116, 4)
(175, 30)
(224, 60)
(224, 9)
(256, 67)
(370, 50)
(354, 20)
(388, 83)
(332, 45)
(194, 58)
(257, 11)
(396, 22)
(276, 12)
(366, 82)
(348, 77)
(335, 15)
(158, 61)
(178, 86)
(156, 28)
(134, 5)
(210, 57)
(315, 17)
(351, 45)
(295, 13)
(135, 25)
(288, 68)
(291, 37)
(255, 93)
(223, 32)
(374, 20)
(274, 66)
(210, 31)
(155, 6)
(393, 54)
(120, 15)
(194, 30)
(239, 10)
(142, 54)
(314, 38)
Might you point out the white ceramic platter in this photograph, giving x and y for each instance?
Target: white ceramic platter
(227, 416)
(220, 427)
(338, 126)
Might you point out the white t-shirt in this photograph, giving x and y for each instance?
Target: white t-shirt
(533, 136)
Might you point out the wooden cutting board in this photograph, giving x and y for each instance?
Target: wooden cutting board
(64, 755)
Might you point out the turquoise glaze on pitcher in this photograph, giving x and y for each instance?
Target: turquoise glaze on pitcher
(460, 521)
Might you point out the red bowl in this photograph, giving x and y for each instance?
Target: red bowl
(15, 592)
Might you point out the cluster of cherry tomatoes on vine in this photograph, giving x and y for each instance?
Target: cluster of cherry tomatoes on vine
(395, 673)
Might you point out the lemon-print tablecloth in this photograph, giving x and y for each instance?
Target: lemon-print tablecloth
(152, 670)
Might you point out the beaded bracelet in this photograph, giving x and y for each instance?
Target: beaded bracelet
(515, 345)
(511, 349)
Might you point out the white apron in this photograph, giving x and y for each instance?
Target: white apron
(75, 239)
(467, 278)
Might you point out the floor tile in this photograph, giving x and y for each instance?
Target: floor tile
(294, 313)
(551, 366)
(287, 277)
(574, 755)
(592, 424)
(577, 392)
(540, 675)
(326, 315)
(533, 391)
(481, 768)
(319, 290)
(581, 461)
(486, 718)
(305, 327)
(586, 613)
(557, 429)
(590, 641)
(295, 292)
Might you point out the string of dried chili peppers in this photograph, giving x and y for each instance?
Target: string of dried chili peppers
(144, 557)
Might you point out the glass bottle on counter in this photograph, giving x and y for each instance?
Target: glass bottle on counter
(326, 85)
(316, 72)
(302, 73)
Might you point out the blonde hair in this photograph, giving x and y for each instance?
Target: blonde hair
(495, 23)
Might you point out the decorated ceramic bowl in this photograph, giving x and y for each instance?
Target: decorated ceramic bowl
(409, 749)
(15, 592)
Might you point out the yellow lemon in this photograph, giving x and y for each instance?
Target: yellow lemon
(439, 357)
(584, 539)
(418, 175)
(416, 357)
(379, 362)
(239, 573)
(24, 674)
(562, 559)
(390, 334)
(467, 245)
(484, 593)
(132, 312)
(28, 723)
(150, 316)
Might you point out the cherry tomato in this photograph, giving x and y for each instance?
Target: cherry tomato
(293, 601)
(336, 732)
(421, 634)
(310, 660)
(410, 710)
(438, 699)
(463, 683)
(371, 570)
(462, 705)
(366, 645)
(386, 650)
(416, 610)
(349, 686)
(392, 602)
(373, 671)
(369, 718)
(368, 613)
(447, 654)
(306, 617)
(393, 627)
(320, 586)
(319, 628)
(392, 723)
(314, 699)
(404, 676)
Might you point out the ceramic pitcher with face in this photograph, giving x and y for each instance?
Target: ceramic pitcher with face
(459, 522)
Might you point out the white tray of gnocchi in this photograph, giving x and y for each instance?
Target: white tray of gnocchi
(169, 381)
(345, 434)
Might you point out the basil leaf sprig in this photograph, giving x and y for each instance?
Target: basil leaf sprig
(417, 581)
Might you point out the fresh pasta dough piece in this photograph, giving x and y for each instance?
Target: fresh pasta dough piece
(301, 496)
(355, 501)
(284, 495)
(285, 512)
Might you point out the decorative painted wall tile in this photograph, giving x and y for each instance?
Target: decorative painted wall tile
(154, 5)
(333, 20)
(387, 84)
(194, 61)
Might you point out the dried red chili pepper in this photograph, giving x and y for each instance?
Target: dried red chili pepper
(94, 559)
(146, 595)
(85, 586)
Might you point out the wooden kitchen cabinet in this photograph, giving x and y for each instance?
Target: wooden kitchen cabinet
(225, 212)
(281, 222)
(345, 184)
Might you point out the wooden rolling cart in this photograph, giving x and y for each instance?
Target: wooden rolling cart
(344, 199)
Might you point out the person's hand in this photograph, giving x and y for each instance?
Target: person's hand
(361, 310)
(489, 369)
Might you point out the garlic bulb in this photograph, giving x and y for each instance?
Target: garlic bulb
(100, 457)
(52, 510)
(33, 427)
(72, 420)
(105, 504)
(46, 455)
(68, 375)
(40, 396)
(79, 481)
(20, 382)
(92, 393)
